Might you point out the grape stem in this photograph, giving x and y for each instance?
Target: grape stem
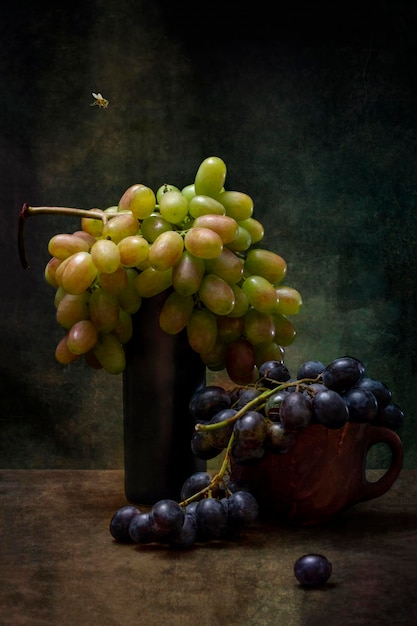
(28, 211)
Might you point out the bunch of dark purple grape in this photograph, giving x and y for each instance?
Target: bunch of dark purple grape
(208, 511)
(266, 416)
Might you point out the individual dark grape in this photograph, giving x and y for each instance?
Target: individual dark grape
(279, 440)
(202, 447)
(361, 404)
(343, 373)
(273, 372)
(140, 529)
(167, 518)
(329, 409)
(219, 437)
(310, 369)
(187, 536)
(244, 453)
(295, 411)
(207, 401)
(211, 520)
(250, 429)
(312, 570)
(390, 416)
(381, 392)
(119, 523)
(245, 396)
(194, 483)
(242, 510)
(273, 404)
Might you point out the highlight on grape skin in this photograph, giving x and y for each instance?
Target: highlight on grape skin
(198, 243)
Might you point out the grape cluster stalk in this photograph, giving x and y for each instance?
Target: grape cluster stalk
(200, 245)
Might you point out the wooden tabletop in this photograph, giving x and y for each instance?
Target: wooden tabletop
(59, 565)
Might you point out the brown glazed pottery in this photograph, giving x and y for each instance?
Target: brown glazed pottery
(322, 475)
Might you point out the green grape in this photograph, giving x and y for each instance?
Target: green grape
(78, 273)
(120, 226)
(227, 265)
(203, 243)
(91, 225)
(124, 327)
(237, 204)
(230, 328)
(241, 302)
(63, 354)
(106, 256)
(163, 189)
(173, 207)
(289, 301)
(82, 337)
(72, 308)
(215, 359)
(150, 282)
(210, 177)
(50, 270)
(241, 242)
(166, 250)
(126, 198)
(240, 362)
(110, 353)
(133, 249)
(139, 199)
(114, 283)
(268, 352)
(284, 330)
(204, 205)
(216, 295)
(129, 299)
(153, 226)
(104, 310)
(189, 192)
(226, 227)
(259, 327)
(65, 245)
(260, 293)
(254, 228)
(202, 330)
(187, 274)
(89, 239)
(175, 313)
(267, 264)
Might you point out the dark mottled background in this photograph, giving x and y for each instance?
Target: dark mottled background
(314, 111)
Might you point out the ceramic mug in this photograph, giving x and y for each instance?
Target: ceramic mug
(323, 474)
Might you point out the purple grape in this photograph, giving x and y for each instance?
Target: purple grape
(167, 518)
(295, 412)
(310, 369)
(242, 510)
(140, 529)
(194, 483)
(343, 373)
(211, 520)
(187, 536)
(119, 523)
(361, 404)
(273, 404)
(245, 396)
(219, 437)
(278, 439)
(390, 416)
(273, 372)
(202, 447)
(312, 570)
(330, 409)
(208, 401)
(381, 392)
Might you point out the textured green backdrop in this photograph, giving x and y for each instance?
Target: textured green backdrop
(314, 112)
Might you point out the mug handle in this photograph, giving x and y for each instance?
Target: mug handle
(370, 490)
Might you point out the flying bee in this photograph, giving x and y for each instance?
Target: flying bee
(99, 101)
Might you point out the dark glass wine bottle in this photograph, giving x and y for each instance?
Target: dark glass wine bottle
(162, 372)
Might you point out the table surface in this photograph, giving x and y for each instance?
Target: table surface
(60, 566)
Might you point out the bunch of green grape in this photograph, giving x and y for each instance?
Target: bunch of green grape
(200, 245)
